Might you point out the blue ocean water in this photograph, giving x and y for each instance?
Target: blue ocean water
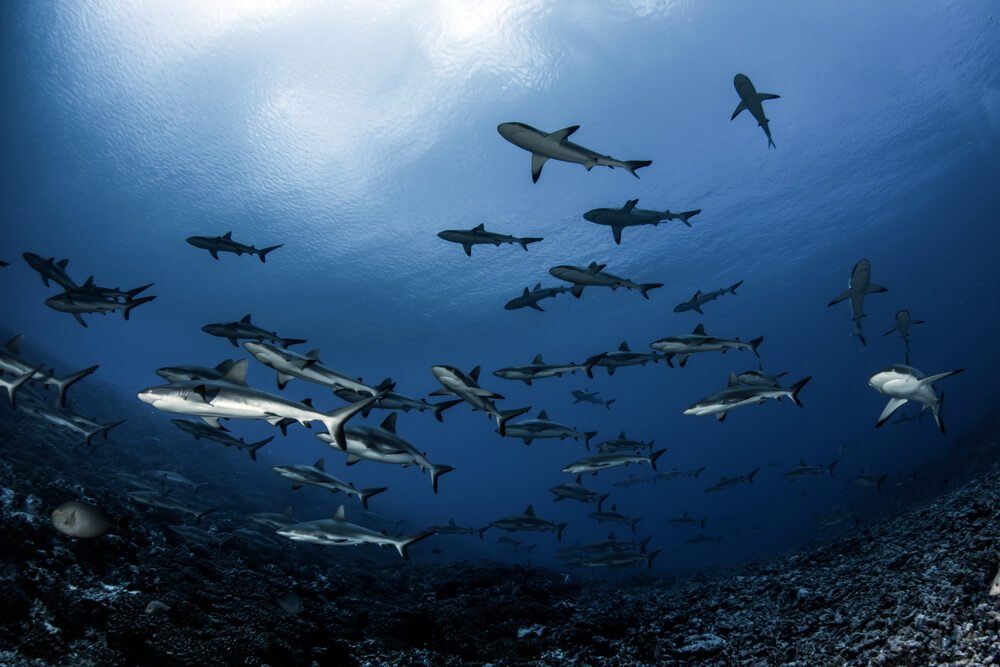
(354, 132)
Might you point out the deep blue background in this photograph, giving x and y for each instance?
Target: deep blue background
(354, 132)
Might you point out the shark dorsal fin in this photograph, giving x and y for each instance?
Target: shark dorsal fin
(611, 536)
(14, 344)
(320, 464)
(624, 347)
(224, 365)
(544, 414)
(529, 511)
(629, 205)
(313, 354)
(89, 282)
(537, 359)
(340, 515)
(621, 436)
(563, 134)
(481, 227)
(526, 292)
(389, 423)
(538, 286)
(246, 320)
(474, 374)
(614, 508)
(62, 263)
(802, 462)
(733, 380)
(228, 236)
(307, 401)
(696, 294)
(237, 373)
(451, 522)
(579, 478)
(699, 330)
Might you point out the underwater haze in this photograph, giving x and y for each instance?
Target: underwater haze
(353, 132)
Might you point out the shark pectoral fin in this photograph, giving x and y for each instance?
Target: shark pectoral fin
(740, 108)
(214, 423)
(699, 310)
(79, 319)
(577, 290)
(843, 297)
(214, 253)
(537, 162)
(536, 306)
(890, 407)
(283, 379)
(767, 96)
(467, 247)
(617, 231)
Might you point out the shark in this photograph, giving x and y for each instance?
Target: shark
(623, 443)
(675, 473)
(383, 445)
(594, 464)
(751, 100)
(338, 532)
(273, 519)
(574, 491)
(290, 364)
(538, 369)
(632, 480)
(466, 387)
(545, 146)
(245, 328)
(544, 428)
(225, 243)
(530, 298)
(700, 299)
(50, 270)
(165, 476)
(479, 236)
(111, 293)
(527, 521)
(624, 356)
(452, 528)
(513, 545)
(699, 341)
(701, 538)
(727, 482)
(583, 396)
(201, 430)
(162, 501)
(865, 480)
(594, 275)
(903, 324)
(903, 383)
(316, 475)
(630, 216)
(736, 395)
(77, 305)
(63, 418)
(686, 520)
(858, 287)
(201, 536)
(619, 559)
(12, 385)
(229, 398)
(759, 378)
(613, 515)
(610, 545)
(804, 470)
(393, 401)
(185, 373)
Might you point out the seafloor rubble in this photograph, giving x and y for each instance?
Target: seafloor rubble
(910, 590)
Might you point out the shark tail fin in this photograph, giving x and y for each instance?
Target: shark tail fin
(523, 242)
(645, 288)
(335, 420)
(262, 253)
(635, 521)
(936, 409)
(559, 530)
(732, 288)
(403, 545)
(134, 303)
(506, 415)
(650, 556)
(439, 408)
(197, 516)
(63, 384)
(107, 427)
(365, 494)
(13, 385)
(644, 543)
(754, 344)
(699, 471)
(753, 474)
(588, 366)
(436, 472)
(829, 468)
(655, 455)
(634, 165)
(770, 143)
(878, 482)
(587, 437)
(132, 293)
(686, 216)
(252, 449)
(608, 403)
(797, 387)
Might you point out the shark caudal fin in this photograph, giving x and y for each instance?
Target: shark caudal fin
(655, 455)
(523, 242)
(436, 472)
(829, 468)
(439, 408)
(559, 530)
(365, 494)
(770, 142)
(134, 303)
(262, 253)
(878, 482)
(645, 288)
(132, 293)
(686, 216)
(633, 522)
(755, 343)
(608, 403)
(752, 475)
(505, 416)
(634, 165)
(650, 556)
(64, 383)
(13, 385)
(936, 409)
(587, 437)
(588, 366)
(797, 387)
(732, 288)
(199, 515)
(253, 447)
(335, 419)
(403, 545)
